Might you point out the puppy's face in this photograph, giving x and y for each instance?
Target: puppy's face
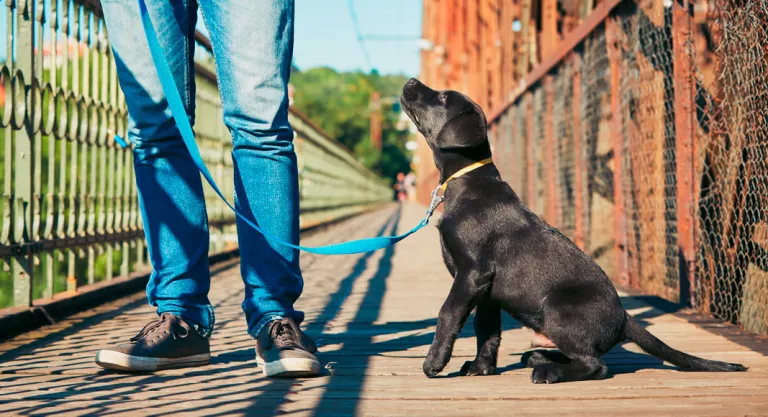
(447, 119)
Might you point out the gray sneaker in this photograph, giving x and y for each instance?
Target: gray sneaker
(168, 342)
(283, 350)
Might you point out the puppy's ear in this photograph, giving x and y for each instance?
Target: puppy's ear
(463, 131)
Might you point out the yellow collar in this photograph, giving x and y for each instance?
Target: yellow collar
(463, 171)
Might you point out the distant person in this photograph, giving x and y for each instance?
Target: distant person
(410, 186)
(400, 187)
(253, 43)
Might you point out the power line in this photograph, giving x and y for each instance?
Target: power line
(360, 38)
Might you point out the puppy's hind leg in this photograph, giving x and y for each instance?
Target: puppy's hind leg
(581, 368)
(533, 358)
(488, 333)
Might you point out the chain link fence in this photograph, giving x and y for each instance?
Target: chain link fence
(647, 145)
(732, 163)
(648, 120)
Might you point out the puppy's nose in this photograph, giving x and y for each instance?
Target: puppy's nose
(413, 81)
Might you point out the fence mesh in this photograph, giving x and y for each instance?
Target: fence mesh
(562, 120)
(732, 164)
(541, 159)
(648, 120)
(597, 151)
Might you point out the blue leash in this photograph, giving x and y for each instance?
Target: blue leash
(180, 116)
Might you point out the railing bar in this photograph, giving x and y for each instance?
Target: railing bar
(23, 204)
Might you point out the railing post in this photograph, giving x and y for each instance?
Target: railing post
(578, 152)
(549, 36)
(552, 210)
(524, 54)
(531, 160)
(23, 191)
(613, 40)
(684, 150)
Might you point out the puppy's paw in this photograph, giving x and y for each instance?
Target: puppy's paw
(546, 374)
(477, 368)
(431, 369)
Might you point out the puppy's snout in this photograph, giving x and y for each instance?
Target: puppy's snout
(408, 94)
(412, 81)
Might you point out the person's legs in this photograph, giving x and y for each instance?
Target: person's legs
(169, 185)
(253, 43)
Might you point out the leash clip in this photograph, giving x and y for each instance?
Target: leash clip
(436, 200)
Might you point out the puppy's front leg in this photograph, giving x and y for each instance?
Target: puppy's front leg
(447, 258)
(465, 292)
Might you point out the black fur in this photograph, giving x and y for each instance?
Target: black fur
(502, 256)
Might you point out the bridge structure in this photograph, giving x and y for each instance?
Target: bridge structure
(75, 263)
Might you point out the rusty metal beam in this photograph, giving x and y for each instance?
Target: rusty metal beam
(552, 209)
(571, 40)
(685, 129)
(549, 37)
(578, 152)
(613, 35)
(530, 150)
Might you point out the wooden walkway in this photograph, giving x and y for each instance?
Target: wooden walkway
(373, 316)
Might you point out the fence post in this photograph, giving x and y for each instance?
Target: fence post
(552, 210)
(531, 160)
(613, 39)
(684, 150)
(24, 203)
(578, 152)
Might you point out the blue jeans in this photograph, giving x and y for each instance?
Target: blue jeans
(253, 44)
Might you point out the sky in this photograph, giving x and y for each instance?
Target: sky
(325, 35)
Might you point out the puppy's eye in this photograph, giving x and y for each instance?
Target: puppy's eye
(441, 97)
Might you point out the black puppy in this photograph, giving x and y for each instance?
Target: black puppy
(502, 256)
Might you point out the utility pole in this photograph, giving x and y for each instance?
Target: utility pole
(375, 112)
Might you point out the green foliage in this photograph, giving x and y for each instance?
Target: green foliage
(338, 102)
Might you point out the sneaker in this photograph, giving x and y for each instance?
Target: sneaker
(168, 342)
(283, 350)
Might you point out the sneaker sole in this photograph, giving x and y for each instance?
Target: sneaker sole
(121, 362)
(289, 367)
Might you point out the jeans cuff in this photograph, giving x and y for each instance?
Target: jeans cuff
(194, 323)
(263, 322)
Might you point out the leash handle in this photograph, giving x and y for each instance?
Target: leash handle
(185, 129)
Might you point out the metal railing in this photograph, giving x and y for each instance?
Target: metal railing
(69, 201)
(644, 138)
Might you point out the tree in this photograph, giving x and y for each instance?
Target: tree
(338, 102)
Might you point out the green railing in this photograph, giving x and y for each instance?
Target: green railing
(69, 207)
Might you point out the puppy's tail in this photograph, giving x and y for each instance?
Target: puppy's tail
(649, 343)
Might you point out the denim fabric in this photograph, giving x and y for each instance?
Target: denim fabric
(253, 44)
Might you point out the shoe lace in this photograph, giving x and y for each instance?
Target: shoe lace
(283, 335)
(164, 323)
